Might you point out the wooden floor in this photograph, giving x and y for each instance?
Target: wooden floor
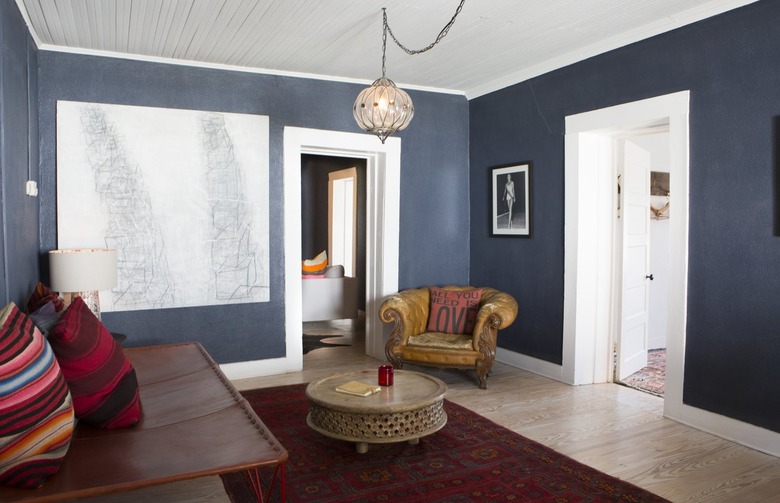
(615, 429)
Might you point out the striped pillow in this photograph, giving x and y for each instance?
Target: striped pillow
(36, 411)
(101, 379)
(316, 265)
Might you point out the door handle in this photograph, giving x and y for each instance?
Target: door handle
(650, 277)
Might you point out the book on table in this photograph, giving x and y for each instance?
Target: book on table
(358, 388)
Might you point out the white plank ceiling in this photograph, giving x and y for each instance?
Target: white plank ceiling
(493, 43)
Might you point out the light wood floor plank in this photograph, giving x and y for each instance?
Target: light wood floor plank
(612, 428)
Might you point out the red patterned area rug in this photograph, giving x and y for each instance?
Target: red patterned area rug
(470, 459)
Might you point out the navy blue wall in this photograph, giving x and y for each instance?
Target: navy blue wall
(434, 180)
(18, 158)
(731, 64)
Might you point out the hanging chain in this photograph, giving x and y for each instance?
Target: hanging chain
(386, 29)
(384, 39)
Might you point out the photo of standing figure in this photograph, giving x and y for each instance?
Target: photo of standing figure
(511, 211)
(509, 197)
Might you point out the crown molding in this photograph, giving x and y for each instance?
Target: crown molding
(684, 18)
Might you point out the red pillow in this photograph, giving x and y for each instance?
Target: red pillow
(101, 379)
(453, 311)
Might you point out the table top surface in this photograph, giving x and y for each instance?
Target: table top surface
(410, 391)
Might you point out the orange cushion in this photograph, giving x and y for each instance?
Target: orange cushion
(317, 265)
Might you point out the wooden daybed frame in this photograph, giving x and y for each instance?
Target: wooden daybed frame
(195, 424)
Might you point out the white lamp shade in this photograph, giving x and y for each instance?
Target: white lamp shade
(82, 270)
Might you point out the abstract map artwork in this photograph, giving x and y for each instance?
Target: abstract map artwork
(181, 194)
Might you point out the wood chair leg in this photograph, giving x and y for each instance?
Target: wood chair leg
(482, 374)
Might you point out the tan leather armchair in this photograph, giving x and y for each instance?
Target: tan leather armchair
(410, 342)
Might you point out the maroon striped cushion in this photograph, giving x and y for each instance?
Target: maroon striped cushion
(41, 296)
(36, 412)
(101, 379)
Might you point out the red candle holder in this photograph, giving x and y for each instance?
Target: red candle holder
(385, 375)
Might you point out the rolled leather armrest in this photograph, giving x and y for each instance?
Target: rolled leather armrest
(409, 308)
(499, 304)
(497, 310)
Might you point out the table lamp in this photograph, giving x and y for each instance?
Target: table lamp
(82, 273)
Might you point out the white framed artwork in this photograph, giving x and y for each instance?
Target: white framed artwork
(183, 195)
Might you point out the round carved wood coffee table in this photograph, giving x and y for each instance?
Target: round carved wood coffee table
(411, 408)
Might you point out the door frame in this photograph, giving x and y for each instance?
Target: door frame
(383, 199)
(589, 235)
(584, 348)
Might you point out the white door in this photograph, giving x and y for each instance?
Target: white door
(635, 277)
(342, 211)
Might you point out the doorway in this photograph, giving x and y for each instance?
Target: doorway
(333, 220)
(642, 259)
(383, 174)
(589, 238)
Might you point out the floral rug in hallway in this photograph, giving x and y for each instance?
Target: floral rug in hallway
(651, 378)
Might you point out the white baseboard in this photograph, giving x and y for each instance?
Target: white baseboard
(746, 434)
(530, 364)
(260, 368)
(737, 431)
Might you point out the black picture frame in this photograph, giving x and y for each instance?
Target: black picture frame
(511, 216)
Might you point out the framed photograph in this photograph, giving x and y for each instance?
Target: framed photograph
(659, 183)
(511, 210)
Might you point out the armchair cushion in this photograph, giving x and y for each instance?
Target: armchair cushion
(453, 311)
(441, 340)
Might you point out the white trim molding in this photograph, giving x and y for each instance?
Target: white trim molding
(577, 54)
(234, 68)
(746, 434)
(529, 363)
(256, 368)
(587, 312)
(383, 200)
(588, 237)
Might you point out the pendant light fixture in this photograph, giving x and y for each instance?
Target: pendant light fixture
(384, 108)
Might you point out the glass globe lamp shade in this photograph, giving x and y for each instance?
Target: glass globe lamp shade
(383, 108)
